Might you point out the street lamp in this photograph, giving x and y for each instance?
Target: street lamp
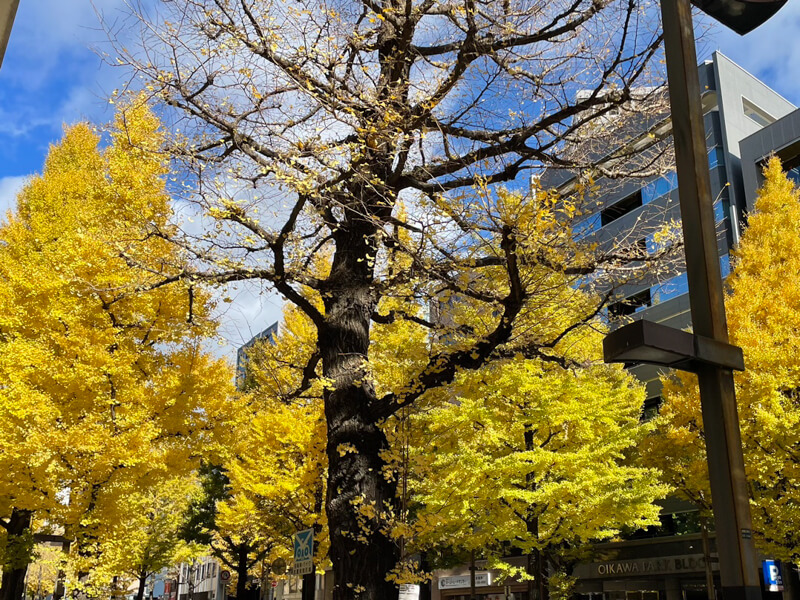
(740, 15)
(705, 352)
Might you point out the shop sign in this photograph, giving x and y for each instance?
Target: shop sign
(482, 579)
(409, 591)
(773, 579)
(664, 565)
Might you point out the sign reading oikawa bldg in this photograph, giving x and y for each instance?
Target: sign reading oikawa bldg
(664, 565)
(482, 579)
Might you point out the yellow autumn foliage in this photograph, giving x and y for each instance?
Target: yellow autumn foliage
(763, 305)
(106, 388)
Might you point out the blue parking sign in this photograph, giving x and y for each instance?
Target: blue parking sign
(773, 578)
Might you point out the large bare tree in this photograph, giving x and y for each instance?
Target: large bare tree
(367, 130)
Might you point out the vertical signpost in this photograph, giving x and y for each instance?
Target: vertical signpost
(738, 566)
(304, 561)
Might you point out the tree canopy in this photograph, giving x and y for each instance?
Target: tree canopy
(358, 130)
(106, 387)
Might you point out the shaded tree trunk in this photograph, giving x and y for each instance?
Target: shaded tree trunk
(58, 592)
(142, 583)
(18, 532)
(362, 554)
(535, 559)
(242, 572)
(425, 588)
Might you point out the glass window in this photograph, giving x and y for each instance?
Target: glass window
(720, 211)
(794, 175)
(659, 187)
(725, 265)
(756, 113)
(621, 208)
(631, 305)
(716, 157)
(672, 288)
(583, 228)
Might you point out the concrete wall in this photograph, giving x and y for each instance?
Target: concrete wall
(781, 138)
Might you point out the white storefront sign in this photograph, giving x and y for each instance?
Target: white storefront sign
(409, 591)
(482, 579)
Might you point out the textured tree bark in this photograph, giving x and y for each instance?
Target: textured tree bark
(361, 552)
(13, 582)
(535, 560)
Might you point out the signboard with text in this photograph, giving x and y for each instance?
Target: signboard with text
(636, 567)
(409, 591)
(482, 579)
(303, 552)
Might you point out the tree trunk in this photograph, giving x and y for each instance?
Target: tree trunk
(18, 534)
(425, 588)
(142, 583)
(58, 592)
(359, 490)
(242, 572)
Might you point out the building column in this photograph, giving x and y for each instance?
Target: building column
(672, 585)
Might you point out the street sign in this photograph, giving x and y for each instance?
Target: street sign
(773, 579)
(224, 575)
(278, 566)
(303, 552)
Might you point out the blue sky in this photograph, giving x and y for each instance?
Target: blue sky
(52, 75)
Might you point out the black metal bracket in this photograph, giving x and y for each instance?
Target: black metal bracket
(656, 344)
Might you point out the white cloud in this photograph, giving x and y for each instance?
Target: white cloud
(9, 188)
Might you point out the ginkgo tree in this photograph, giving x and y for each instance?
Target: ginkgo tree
(138, 540)
(304, 125)
(530, 456)
(763, 308)
(105, 388)
(275, 467)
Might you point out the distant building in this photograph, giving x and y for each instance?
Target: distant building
(736, 105)
(199, 580)
(241, 354)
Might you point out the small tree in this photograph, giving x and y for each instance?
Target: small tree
(139, 539)
(530, 457)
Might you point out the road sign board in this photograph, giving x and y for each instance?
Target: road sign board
(303, 552)
(278, 566)
(224, 575)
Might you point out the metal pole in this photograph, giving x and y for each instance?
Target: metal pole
(738, 566)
